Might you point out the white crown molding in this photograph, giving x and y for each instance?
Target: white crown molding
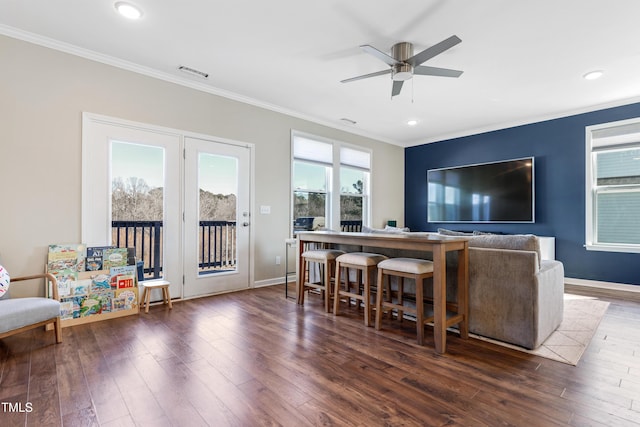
(136, 68)
(528, 121)
(160, 75)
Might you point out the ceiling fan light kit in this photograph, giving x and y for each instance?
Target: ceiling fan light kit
(404, 64)
(401, 71)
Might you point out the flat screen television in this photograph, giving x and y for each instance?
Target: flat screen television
(500, 191)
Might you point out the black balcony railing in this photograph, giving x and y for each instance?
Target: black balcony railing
(216, 244)
(351, 225)
(146, 238)
(216, 250)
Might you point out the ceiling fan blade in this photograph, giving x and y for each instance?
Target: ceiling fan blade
(366, 76)
(424, 70)
(397, 87)
(379, 54)
(432, 51)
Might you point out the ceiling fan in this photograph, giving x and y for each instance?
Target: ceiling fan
(404, 64)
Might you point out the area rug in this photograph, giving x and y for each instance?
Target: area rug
(582, 315)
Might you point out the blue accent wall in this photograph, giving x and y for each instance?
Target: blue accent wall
(559, 149)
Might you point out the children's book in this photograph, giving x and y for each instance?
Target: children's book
(80, 287)
(125, 299)
(66, 309)
(114, 257)
(123, 277)
(64, 262)
(90, 305)
(100, 283)
(64, 257)
(95, 257)
(66, 279)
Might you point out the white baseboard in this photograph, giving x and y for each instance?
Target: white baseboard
(602, 285)
(274, 281)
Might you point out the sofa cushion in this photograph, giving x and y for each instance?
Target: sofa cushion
(19, 312)
(386, 230)
(517, 242)
(446, 232)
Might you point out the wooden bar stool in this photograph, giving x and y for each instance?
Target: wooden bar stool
(326, 258)
(365, 264)
(149, 286)
(417, 269)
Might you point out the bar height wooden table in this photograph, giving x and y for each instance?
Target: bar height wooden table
(437, 245)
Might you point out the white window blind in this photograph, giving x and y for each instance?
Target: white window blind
(618, 217)
(356, 158)
(312, 150)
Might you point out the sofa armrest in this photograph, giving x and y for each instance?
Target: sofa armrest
(508, 292)
(550, 299)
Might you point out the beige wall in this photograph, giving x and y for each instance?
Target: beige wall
(43, 93)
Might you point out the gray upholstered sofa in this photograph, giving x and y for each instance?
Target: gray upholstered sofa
(514, 295)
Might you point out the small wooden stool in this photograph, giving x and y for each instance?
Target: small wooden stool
(148, 287)
(365, 265)
(417, 269)
(327, 260)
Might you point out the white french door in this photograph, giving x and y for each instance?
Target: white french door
(203, 209)
(146, 160)
(216, 217)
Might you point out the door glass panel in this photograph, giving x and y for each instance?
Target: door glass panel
(137, 202)
(217, 213)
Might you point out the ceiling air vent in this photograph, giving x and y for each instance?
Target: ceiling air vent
(193, 72)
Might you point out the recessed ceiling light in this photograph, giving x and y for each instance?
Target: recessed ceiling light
(128, 10)
(412, 122)
(592, 75)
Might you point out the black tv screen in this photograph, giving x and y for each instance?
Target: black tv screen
(489, 192)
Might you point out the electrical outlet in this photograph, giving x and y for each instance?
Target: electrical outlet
(277, 260)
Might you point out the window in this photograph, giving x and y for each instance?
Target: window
(354, 185)
(613, 187)
(330, 184)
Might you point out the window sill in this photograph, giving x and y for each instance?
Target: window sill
(612, 248)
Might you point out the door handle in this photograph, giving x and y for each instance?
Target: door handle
(245, 224)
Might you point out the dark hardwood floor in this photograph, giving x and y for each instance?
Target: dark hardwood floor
(253, 358)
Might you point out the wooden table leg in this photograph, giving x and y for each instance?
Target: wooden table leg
(463, 290)
(420, 309)
(300, 277)
(440, 299)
